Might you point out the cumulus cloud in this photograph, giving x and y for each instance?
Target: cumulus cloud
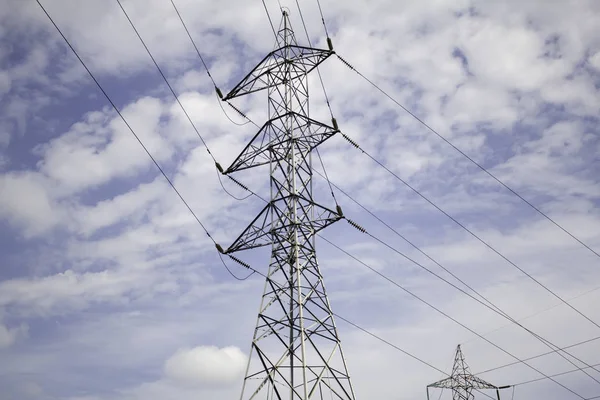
(595, 61)
(206, 365)
(8, 336)
(25, 202)
(5, 83)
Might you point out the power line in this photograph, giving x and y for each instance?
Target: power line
(468, 158)
(166, 80)
(491, 306)
(555, 375)
(398, 348)
(114, 106)
(270, 20)
(322, 17)
(123, 119)
(542, 355)
(497, 310)
(539, 312)
(446, 315)
(489, 246)
(390, 344)
(329, 43)
(175, 94)
(194, 43)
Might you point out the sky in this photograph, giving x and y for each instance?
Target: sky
(109, 288)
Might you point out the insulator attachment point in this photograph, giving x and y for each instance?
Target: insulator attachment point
(335, 124)
(219, 167)
(219, 93)
(219, 248)
(339, 210)
(329, 44)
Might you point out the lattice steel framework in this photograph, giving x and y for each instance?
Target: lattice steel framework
(296, 352)
(462, 382)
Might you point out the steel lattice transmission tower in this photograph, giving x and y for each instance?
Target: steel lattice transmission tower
(296, 352)
(462, 382)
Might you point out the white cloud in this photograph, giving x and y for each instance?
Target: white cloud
(595, 61)
(5, 83)
(8, 336)
(25, 202)
(124, 206)
(106, 147)
(205, 365)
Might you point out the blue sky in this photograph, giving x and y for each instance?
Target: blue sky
(109, 289)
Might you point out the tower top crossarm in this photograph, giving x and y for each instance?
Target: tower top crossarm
(288, 56)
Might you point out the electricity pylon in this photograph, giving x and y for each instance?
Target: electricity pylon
(462, 382)
(296, 352)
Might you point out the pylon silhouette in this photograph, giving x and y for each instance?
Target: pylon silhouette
(462, 382)
(296, 352)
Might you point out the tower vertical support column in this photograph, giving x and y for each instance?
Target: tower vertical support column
(296, 351)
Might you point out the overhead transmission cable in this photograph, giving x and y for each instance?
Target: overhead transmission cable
(543, 355)
(481, 167)
(491, 305)
(329, 43)
(118, 111)
(448, 316)
(478, 165)
(408, 241)
(269, 17)
(553, 375)
(455, 147)
(489, 246)
(163, 75)
(324, 93)
(539, 312)
(464, 227)
(187, 31)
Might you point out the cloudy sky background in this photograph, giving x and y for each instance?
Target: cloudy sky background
(109, 289)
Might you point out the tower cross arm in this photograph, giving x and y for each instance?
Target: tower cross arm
(478, 383)
(269, 71)
(270, 144)
(260, 232)
(466, 381)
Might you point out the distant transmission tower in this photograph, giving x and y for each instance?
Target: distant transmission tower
(462, 382)
(296, 352)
